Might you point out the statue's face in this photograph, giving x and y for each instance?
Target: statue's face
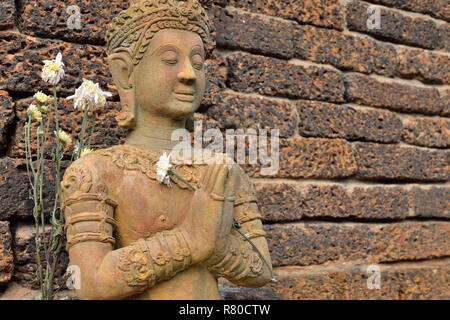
(170, 78)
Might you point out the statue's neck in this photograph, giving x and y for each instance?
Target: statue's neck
(155, 133)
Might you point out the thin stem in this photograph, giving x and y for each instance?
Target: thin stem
(92, 128)
(83, 131)
(173, 173)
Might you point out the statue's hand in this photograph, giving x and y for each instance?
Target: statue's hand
(210, 215)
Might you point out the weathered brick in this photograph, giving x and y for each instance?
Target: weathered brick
(7, 14)
(321, 119)
(431, 203)
(378, 203)
(56, 18)
(216, 76)
(427, 132)
(25, 259)
(386, 162)
(22, 62)
(311, 158)
(234, 111)
(281, 202)
(14, 196)
(345, 51)
(394, 96)
(209, 3)
(424, 65)
(106, 133)
(6, 255)
(237, 30)
(15, 189)
(402, 281)
(444, 33)
(316, 243)
(273, 77)
(6, 119)
(445, 102)
(437, 8)
(323, 13)
(394, 26)
(239, 293)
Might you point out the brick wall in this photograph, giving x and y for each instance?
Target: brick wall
(363, 115)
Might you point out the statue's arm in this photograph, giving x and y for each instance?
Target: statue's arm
(106, 273)
(241, 263)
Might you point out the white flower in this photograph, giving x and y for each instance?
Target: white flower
(42, 98)
(85, 151)
(45, 109)
(162, 168)
(89, 95)
(53, 70)
(34, 113)
(63, 136)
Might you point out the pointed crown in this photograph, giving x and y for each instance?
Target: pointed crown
(133, 29)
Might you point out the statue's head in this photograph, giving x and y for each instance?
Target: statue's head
(156, 53)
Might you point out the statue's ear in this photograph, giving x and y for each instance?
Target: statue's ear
(121, 68)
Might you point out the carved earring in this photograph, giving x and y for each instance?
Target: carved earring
(126, 118)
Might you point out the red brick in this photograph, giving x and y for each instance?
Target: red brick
(6, 255)
(107, 132)
(25, 260)
(391, 95)
(445, 102)
(240, 293)
(401, 281)
(236, 30)
(15, 189)
(22, 62)
(304, 244)
(6, 119)
(49, 19)
(423, 65)
(216, 76)
(235, 111)
(14, 194)
(322, 13)
(311, 158)
(427, 132)
(345, 51)
(281, 202)
(386, 162)
(326, 120)
(436, 8)
(431, 202)
(444, 32)
(7, 14)
(394, 26)
(273, 77)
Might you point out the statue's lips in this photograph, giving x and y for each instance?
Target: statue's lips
(184, 96)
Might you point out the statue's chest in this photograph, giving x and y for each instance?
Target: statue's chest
(146, 207)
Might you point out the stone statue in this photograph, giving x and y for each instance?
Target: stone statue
(131, 236)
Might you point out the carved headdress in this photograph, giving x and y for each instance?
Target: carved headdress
(132, 30)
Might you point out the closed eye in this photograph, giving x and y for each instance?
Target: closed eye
(171, 62)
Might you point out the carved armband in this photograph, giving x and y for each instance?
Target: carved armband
(241, 261)
(161, 257)
(88, 211)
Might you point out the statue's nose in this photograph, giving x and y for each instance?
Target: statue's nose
(187, 74)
